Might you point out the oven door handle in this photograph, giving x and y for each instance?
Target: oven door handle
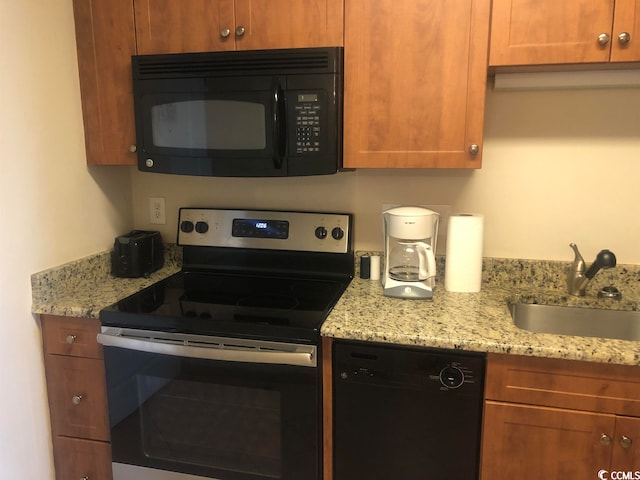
(209, 348)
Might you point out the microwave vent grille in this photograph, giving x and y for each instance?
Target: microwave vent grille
(263, 62)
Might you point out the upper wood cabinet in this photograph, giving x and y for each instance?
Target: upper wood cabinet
(415, 76)
(544, 32)
(105, 37)
(171, 26)
(109, 32)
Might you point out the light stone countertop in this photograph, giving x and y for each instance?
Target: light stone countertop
(467, 321)
(482, 321)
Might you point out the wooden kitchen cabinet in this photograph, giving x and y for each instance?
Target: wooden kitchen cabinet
(77, 397)
(105, 37)
(549, 418)
(546, 32)
(173, 26)
(415, 76)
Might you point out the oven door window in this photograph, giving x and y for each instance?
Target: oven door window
(209, 124)
(225, 420)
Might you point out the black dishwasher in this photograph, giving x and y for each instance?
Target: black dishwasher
(406, 413)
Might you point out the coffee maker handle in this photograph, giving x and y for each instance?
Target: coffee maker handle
(430, 262)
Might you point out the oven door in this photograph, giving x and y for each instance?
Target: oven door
(189, 406)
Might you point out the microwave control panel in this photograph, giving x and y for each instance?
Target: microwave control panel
(308, 115)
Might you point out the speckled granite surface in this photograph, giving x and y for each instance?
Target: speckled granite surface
(470, 321)
(481, 321)
(83, 287)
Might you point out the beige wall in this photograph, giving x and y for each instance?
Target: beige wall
(52, 207)
(559, 167)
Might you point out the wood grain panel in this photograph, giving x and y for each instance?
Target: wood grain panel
(626, 20)
(415, 75)
(286, 24)
(76, 459)
(534, 443)
(177, 26)
(56, 329)
(327, 407)
(577, 385)
(537, 32)
(105, 38)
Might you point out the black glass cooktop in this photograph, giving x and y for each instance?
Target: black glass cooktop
(248, 306)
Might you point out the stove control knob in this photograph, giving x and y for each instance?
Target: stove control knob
(451, 377)
(321, 233)
(337, 233)
(186, 226)
(202, 227)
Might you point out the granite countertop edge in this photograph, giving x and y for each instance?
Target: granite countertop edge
(478, 321)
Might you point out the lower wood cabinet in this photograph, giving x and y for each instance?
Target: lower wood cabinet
(77, 398)
(547, 418)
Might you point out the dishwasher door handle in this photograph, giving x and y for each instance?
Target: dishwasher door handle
(208, 347)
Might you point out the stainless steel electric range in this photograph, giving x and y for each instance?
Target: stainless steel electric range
(215, 372)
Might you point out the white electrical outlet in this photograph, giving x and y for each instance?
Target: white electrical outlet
(157, 213)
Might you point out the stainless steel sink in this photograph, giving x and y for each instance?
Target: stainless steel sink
(583, 322)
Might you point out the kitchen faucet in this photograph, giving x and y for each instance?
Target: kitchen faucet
(578, 276)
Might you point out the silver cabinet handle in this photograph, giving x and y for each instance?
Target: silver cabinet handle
(624, 38)
(84, 478)
(240, 31)
(605, 440)
(474, 149)
(71, 339)
(76, 399)
(626, 442)
(603, 38)
(133, 148)
(225, 32)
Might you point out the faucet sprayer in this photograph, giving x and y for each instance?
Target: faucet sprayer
(578, 278)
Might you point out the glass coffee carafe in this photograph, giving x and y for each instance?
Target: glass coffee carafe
(411, 261)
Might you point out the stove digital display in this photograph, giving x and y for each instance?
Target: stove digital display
(260, 228)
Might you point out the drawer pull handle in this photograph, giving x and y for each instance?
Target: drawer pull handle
(605, 440)
(84, 478)
(71, 339)
(76, 399)
(626, 442)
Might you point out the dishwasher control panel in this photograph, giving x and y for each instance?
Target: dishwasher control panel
(421, 368)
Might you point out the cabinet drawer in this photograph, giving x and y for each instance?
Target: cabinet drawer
(71, 336)
(77, 397)
(78, 459)
(595, 387)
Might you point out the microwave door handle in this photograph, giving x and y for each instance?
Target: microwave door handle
(278, 126)
(303, 356)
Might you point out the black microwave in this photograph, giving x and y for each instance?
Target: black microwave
(261, 113)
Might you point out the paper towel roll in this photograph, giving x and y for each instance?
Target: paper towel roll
(463, 264)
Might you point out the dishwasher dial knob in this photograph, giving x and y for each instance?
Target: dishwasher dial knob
(186, 226)
(451, 377)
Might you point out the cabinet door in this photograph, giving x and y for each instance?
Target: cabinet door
(82, 459)
(626, 21)
(626, 440)
(77, 397)
(415, 76)
(289, 24)
(533, 443)
(105, 37)
(536, 32)
(176, 26)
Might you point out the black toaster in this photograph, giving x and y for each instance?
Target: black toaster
(137, 254)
